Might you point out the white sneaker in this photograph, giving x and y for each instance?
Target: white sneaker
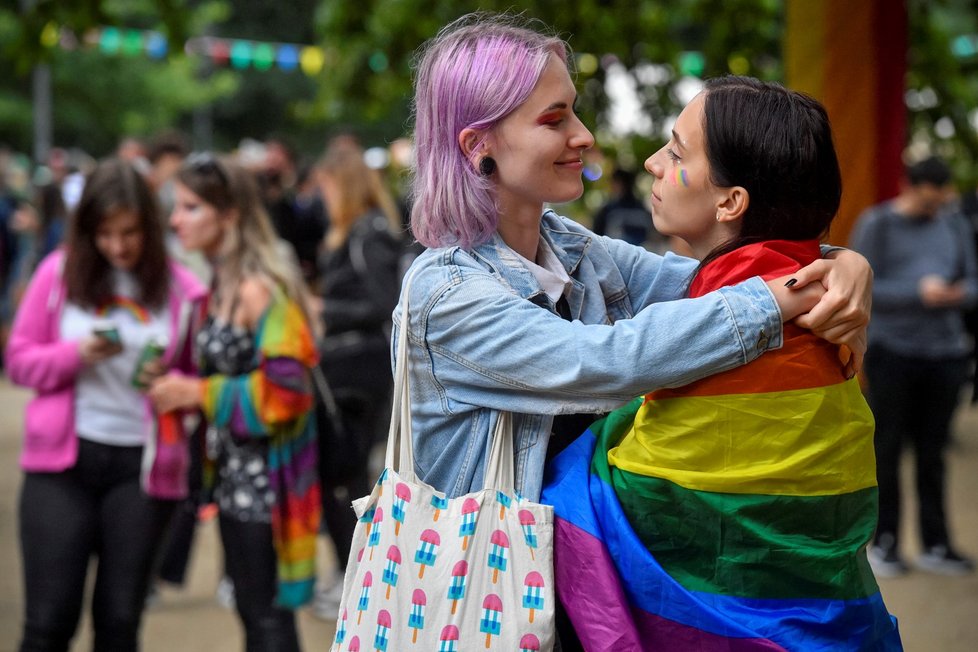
(942, 560)
(225, 593)
(326, 602)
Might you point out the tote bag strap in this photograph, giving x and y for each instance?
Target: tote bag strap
(400, 444)
(499, 469)
(399, 436)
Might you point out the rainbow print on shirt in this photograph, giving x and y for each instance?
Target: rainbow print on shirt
(125, 305)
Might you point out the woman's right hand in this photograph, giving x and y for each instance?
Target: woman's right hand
(797, 301)
(94, 349)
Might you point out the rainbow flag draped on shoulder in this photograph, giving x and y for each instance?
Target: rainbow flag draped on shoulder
(731, 514)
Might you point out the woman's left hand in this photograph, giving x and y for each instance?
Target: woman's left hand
(842, 314)
(175, 392)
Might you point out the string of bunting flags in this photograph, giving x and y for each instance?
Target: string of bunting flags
(239, 54)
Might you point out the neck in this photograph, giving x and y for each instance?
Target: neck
(701, 247)
(520, 230)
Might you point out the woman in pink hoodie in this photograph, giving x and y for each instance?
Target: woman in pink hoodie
(102, 470)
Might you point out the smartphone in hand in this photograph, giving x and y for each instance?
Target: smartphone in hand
(107, 330)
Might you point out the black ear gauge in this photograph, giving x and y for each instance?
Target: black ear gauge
(487, 166)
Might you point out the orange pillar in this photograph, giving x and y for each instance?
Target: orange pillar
(852, 56)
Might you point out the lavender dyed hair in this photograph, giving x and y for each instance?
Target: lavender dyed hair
(474, 73)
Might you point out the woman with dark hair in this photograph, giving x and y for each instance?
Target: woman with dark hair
(255, 350)
(736, 508)
(102, 471)
(514, 308)
(517, 309)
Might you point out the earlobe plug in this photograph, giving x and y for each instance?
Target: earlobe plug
(487, 166)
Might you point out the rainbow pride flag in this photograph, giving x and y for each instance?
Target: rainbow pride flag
(730, 514)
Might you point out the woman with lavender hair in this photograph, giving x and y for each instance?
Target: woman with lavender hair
(515, 308)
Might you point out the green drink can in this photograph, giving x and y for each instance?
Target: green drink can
(153, 351)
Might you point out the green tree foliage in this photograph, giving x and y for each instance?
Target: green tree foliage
(99, 98)
(365, 84)
(370, 49)
(943, 84)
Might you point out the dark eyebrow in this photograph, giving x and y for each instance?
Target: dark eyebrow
(555, 106)
(675, 137)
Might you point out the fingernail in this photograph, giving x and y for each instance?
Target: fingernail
(790, 282)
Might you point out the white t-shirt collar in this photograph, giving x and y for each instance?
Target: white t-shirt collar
(548, 271)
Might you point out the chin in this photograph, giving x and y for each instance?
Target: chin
(567, 196)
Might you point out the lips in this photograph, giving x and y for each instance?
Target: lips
(572, 163)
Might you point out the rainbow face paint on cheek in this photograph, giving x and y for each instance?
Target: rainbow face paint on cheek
(680, 177)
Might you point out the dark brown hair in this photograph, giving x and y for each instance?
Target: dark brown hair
(114, 186)
(777, 144)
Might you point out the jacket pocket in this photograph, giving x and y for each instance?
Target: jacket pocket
(48, 421)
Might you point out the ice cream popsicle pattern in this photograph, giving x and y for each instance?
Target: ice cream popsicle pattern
(341, 627)
(439, 503)
(470, 514)
(374, 537)
(402, 496)
(492, 616)
(364, 602)
(451, 584)
(427, 551)
(456, 590)
(498, 553)
(533, 592)
(389, 576)
(527, 521)
(449, 639)
(416, 618)
(504, 501)
(381, 637)
(529, 643)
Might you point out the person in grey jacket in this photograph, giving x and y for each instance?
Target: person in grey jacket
(926, 276)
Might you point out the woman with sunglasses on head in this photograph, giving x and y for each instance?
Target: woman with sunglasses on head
(103, 473)
(255, 350)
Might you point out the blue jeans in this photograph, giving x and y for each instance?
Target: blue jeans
(96, 508)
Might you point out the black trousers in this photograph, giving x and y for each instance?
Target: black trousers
(913, 400)
(359, 377)
(95, 509)
(250, 562)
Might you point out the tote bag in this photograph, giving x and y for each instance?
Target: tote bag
(428, 572)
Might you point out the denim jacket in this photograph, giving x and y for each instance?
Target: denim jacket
(484, 337)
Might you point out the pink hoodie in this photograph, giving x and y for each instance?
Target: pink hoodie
(38, 359)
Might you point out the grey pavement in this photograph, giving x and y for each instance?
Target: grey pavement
(936, 613)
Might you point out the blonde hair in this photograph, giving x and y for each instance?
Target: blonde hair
(358, 189)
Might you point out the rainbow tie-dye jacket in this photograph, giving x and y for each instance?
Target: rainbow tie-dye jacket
(275, 401)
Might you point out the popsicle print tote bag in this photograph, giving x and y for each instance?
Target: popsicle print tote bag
(441, 574)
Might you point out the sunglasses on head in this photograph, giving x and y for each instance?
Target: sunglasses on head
(207, 163)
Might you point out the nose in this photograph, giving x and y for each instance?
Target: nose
(116, 246)
(653, 164)
(582, 138)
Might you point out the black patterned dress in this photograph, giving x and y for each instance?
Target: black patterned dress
(242, 491)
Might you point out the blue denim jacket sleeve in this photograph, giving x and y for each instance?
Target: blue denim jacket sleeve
(480, 342)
